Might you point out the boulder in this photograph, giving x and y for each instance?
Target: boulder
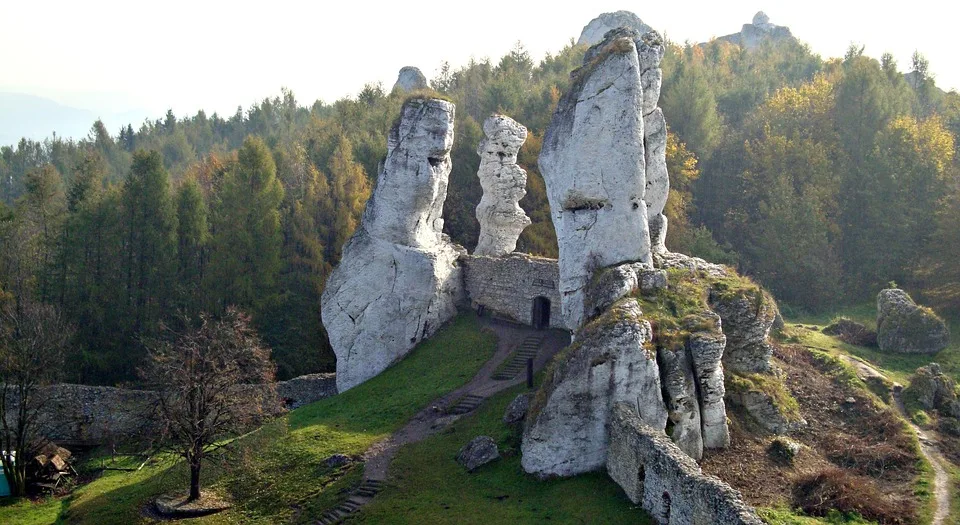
(410, 79)
(904, 327)
(612, 361)
(504, 184)
(478, 452)
(783, 449)
(594, 31)
(517, 409)
(934, 390)
(592, 161)
(399, 278)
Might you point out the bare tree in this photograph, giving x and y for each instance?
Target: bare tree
(33, 342)
(214, 379)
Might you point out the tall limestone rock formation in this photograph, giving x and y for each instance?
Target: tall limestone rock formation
(650, 51)
(593, 164)
(399, 278)
(603, 160)
(410, 79)
(594, 32)
(504, 184)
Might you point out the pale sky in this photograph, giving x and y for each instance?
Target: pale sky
(112, 56)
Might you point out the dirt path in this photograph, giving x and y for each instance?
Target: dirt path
(928, 445)
(435, 418)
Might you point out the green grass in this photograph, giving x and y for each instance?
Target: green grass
(784, 516)
(277, 474)
(428, 486)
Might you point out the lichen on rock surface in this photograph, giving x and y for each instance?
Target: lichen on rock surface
(501, 218)
(399, 278)
(905, 327)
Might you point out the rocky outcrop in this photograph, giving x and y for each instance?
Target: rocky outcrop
(679, 261)
(594, 32)
(410, 79)
(706, 346)
(748, 314)
(934, 390)
(399, 278)
(609, 285)
(680, 389)
(669, 485)
(692, 377)
(905, 327)
(478, 452)
(504, 184)
(611, 362)
(758, 32)
(592, 161)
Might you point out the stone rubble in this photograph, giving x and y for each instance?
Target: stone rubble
(399, 278)
(504, 184)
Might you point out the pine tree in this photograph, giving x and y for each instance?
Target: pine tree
(247, 240)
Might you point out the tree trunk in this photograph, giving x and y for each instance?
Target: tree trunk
(194, 478)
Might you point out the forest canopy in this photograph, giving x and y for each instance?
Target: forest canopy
(824, 179)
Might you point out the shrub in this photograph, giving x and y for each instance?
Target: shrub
(838, 490)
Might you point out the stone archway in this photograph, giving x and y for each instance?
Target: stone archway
(540, 318)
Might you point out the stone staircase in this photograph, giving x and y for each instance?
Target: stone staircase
(465, 404)
(528, 350)
(363, 494)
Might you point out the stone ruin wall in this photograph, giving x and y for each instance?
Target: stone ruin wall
(667, 483)
(508, 285)
(81, 415)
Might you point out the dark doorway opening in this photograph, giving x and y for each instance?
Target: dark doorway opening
(541, 313)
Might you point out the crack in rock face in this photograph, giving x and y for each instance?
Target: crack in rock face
(399, 278)
(504, 183)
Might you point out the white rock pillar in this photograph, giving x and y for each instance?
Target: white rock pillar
(504, 183)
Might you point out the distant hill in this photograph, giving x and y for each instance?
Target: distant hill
(37, 118)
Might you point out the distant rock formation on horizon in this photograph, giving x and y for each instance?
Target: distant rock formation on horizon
(759, 31)
(410, 79)
(594, 31)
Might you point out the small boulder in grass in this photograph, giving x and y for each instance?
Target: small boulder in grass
(478, 452)
(517, 410)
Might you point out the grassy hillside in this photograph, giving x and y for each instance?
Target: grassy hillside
(278, 474)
